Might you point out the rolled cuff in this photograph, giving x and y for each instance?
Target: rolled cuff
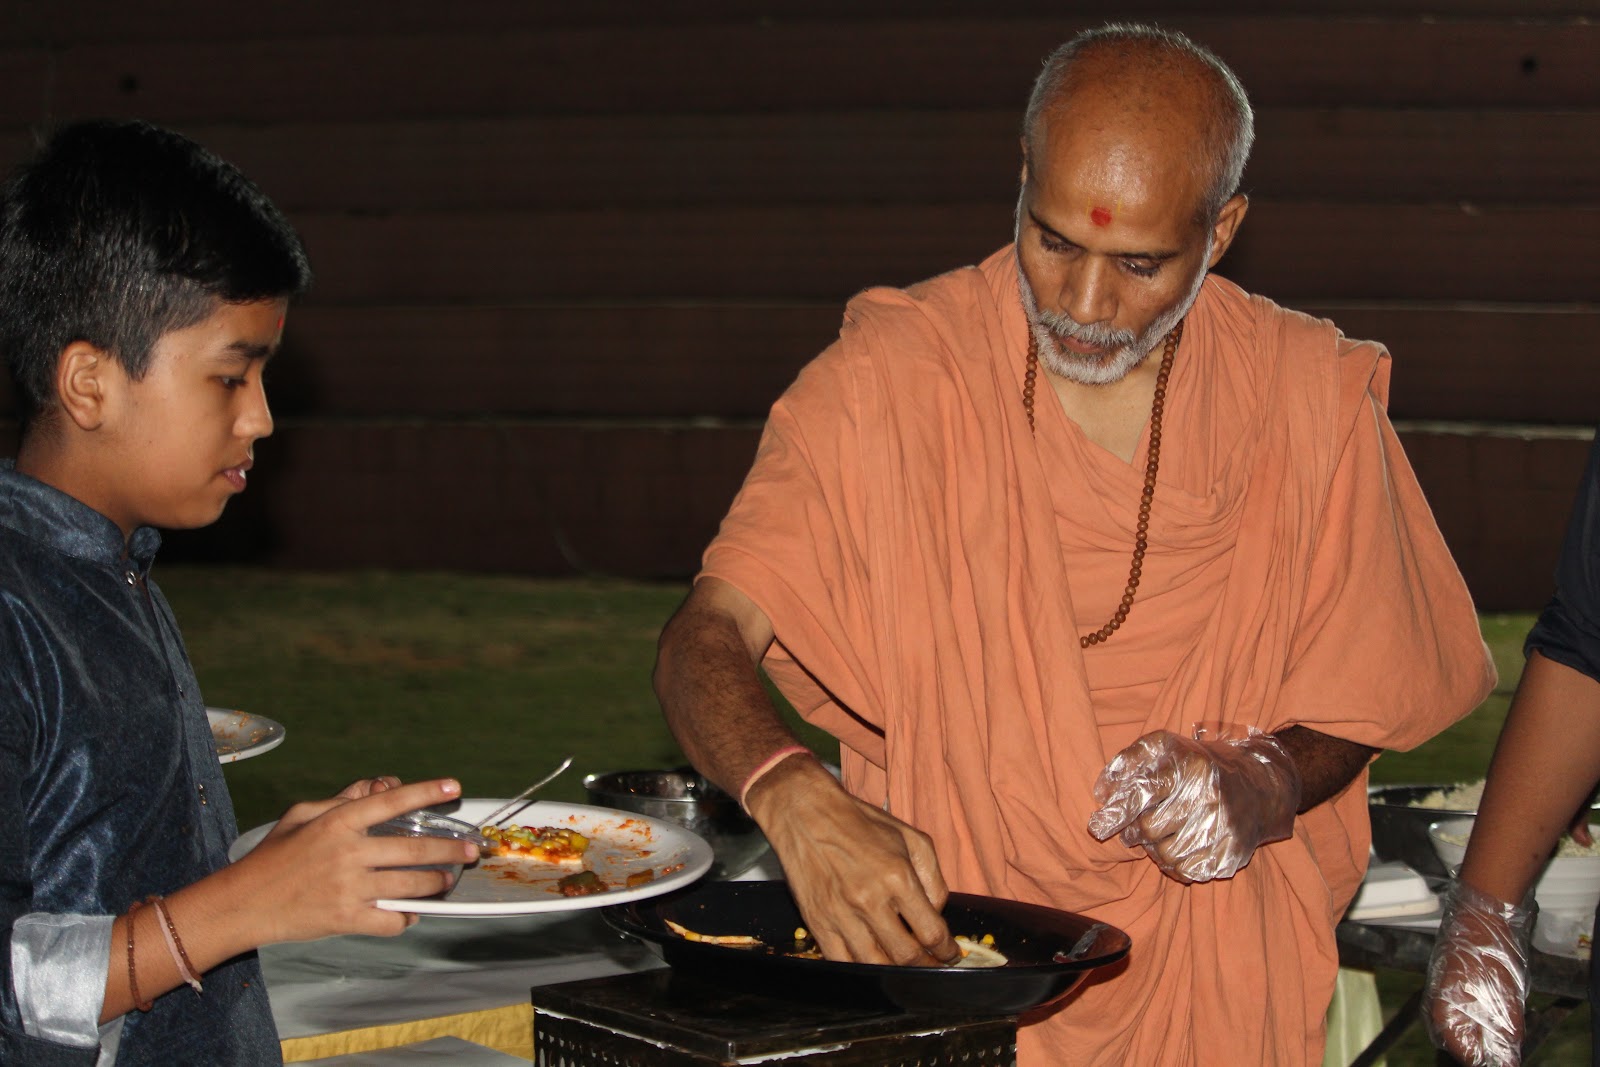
(58, 972)
(1567, 636)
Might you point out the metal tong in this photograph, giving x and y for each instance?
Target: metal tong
(516, 802)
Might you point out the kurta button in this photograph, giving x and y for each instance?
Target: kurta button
(202, 789)
(131, 578)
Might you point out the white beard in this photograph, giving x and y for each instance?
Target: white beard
(1123, 350)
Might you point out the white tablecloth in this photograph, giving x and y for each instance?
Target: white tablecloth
(441, 966)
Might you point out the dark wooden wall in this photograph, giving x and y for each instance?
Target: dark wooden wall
(567, 255)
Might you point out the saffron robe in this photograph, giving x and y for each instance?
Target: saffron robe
(928, 563)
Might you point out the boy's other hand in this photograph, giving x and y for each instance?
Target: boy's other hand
(367, 786)
(307, 810)
(318, 873)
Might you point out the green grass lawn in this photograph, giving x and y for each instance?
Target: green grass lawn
(493, 680)
(490, 680)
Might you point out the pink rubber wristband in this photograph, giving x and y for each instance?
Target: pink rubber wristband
(180, 959)
(767, 765)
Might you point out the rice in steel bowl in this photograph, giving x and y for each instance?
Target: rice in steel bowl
(1454, 798)
(1400, 822)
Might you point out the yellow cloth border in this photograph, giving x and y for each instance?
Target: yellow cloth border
(508, 1029)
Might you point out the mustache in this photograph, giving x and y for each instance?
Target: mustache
(1097, 334)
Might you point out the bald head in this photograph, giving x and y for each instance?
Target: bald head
(1148, 85)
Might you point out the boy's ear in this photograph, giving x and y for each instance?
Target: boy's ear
(84, 383)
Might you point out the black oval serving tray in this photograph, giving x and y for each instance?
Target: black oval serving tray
(1049, 951)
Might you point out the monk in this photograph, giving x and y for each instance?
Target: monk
(1110, 578)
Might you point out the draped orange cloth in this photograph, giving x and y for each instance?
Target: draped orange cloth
(928, 563)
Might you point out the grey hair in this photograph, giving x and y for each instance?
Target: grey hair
(1231, 137)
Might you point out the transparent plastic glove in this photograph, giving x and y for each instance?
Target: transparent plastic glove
(1199, 807)
(1478, 978)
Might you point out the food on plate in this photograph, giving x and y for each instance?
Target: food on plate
(729, 940)
(979, 953)
(553, 844)
(581, 884)
(975, 952)
(227, 732)
(592, 863)
(804, 947)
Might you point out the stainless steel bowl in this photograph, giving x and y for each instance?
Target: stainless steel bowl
(1400, 831)
(690, 800)
(425, 823)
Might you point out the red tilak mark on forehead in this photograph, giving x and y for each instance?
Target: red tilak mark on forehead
(1100, 216)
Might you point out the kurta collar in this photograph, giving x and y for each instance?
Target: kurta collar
(45, 514)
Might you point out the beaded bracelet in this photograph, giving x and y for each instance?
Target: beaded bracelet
(169, 931)
(765, 766)
(133, 979)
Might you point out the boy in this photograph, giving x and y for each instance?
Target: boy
(143, 285)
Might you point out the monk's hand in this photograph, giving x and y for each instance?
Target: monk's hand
(1199, 807)
(868, 885)
(1478, 978)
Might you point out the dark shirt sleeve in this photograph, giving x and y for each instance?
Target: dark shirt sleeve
(21, 692)
(17, 716)
(1568, 630)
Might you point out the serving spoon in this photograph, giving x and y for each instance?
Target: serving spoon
(511, 805)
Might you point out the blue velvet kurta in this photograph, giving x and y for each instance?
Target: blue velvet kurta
(110, 788)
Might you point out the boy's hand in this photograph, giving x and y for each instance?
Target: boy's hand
(318, 873)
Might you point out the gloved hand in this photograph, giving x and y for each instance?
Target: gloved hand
(1199, 807)
(1478, 978)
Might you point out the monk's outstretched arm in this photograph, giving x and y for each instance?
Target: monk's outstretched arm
(867, 884)
(709, 688)
(1326, 763)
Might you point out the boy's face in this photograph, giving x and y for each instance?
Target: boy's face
(181, 438)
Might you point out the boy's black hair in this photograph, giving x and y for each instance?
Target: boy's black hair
(116, 233)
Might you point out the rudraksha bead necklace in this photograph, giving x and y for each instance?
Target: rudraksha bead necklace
(1152, 463)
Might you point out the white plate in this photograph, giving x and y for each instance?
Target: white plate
(242, 734)
(620, 843)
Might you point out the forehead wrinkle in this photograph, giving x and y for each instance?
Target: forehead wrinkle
(1127, 172)
(1134, 187)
